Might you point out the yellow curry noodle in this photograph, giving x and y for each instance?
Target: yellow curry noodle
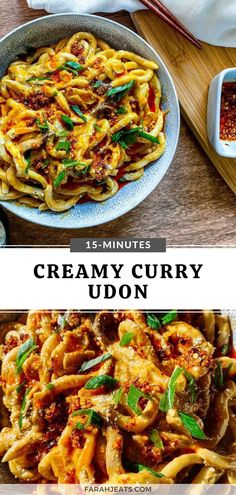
(118, 397)
(77, 120)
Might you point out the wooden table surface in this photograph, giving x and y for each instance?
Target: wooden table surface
(192, 205)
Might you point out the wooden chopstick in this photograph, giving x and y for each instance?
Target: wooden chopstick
(158, 8)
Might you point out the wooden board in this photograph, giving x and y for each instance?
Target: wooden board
(192, 71)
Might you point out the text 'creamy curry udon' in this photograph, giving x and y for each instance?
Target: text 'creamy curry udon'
(77, 121)
(120, 397)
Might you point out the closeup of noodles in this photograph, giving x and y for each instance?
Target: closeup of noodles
(118, 397)
(77, 121)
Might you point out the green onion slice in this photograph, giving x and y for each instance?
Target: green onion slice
(23, 406)
(71, 66)
(191, 385)
(133, 467)
(68, 122)
(117, 396)
(37, 79)
(24, 351)
(156, 439)
(63, 145)
(225, 349)
(153, 321)
(121, 111)
(98, 83)
(192, 426)
(20, 386)
(126, 339)
(127, 137)
(99, 381)
(50, 386)
(169, 317)
(87, 365)
(43, 126)
(61, 321)
(119, 91)
(60, 177)
(78, 112)
(93, 417)
(133, 397)
(167, 399)
(218, 376)
(141, 467)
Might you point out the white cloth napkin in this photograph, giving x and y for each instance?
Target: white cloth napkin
(213, 21)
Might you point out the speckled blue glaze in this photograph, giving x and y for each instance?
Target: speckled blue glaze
(50, 29)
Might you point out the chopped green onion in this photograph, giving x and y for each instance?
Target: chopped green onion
(79, 426)
(78, 112)
(87, 365)
(225, 349)
(153, 321)
(71, 66)
(63, 145)
(156, 323)
(141, 467)
(37, 79)
(192, 426)
(133, 397)
(45, 163)
(93, 417)
(61, 134)
(218, 376)
(24, 351)
(20, 386)
(169, 317)
(191, 385)
(136, 468)
(60, 177)
(167, 399)
(28, 160)
(156, 439)
(61, 321)
(122, 179)
(68, 122)
(149, 137)
(97, 128)
(99, 381)
(23, 406)
(127, 137)
(74, 65)
(50, 385)
(126, 339)
(121, 111)
(117, 396)
(43, 126)
(119, 91)
(73, 163)
(68, 163)
(97, 84)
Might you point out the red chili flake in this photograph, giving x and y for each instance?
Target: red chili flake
(228, 112)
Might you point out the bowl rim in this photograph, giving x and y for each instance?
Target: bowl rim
(224, 148)
(12, 207)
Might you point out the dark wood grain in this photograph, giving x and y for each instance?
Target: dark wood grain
(192, 205)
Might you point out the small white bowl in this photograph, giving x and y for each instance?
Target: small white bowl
(223, 148)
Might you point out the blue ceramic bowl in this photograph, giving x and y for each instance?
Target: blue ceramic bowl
(47, 30)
